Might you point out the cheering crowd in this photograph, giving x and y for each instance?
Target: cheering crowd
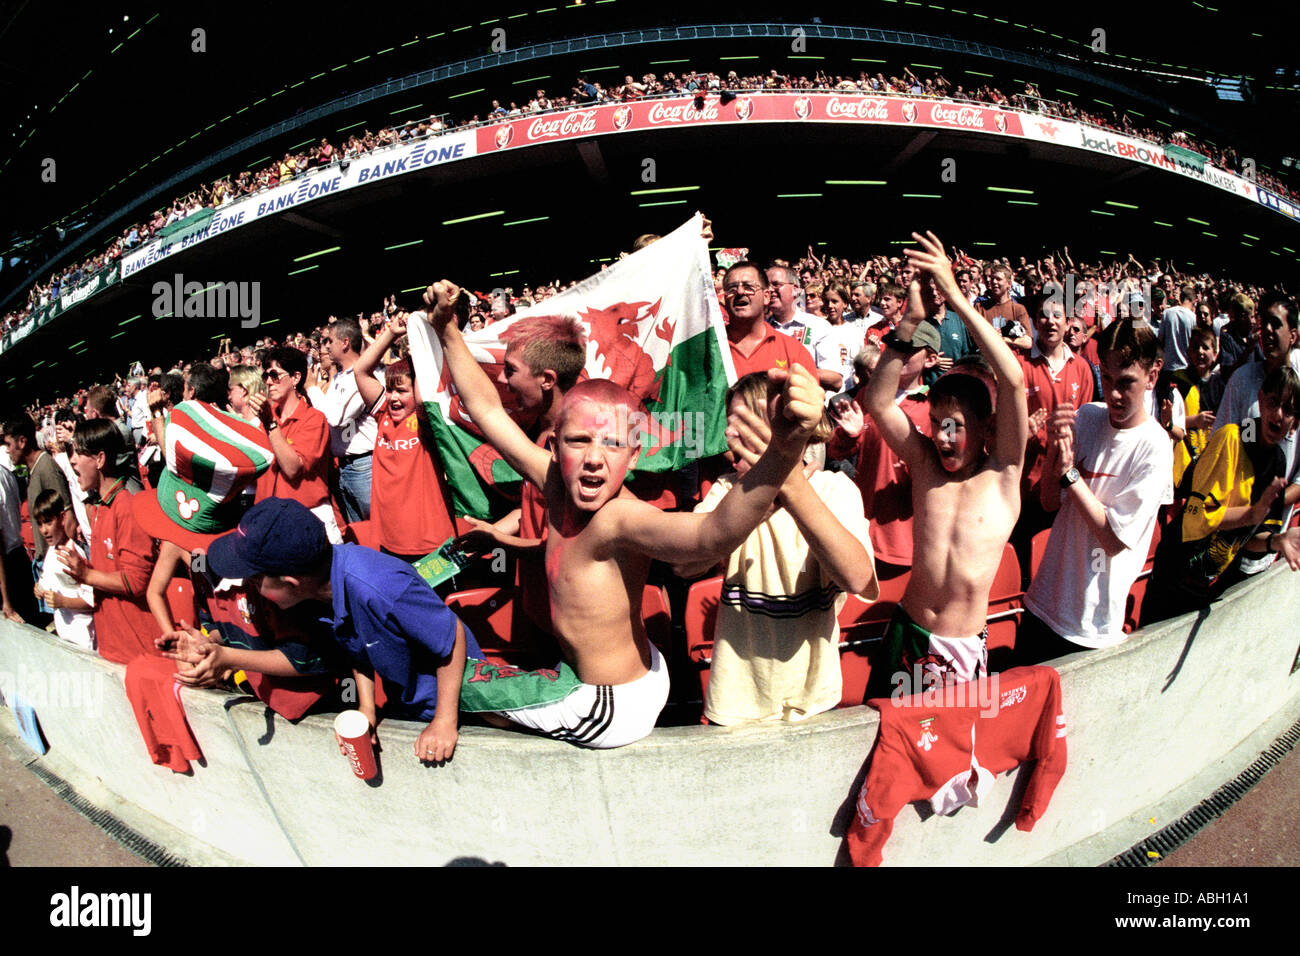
(589, 92)
(1084, 411)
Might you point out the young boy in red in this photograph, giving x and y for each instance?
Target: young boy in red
(409, 496)
(121, 554)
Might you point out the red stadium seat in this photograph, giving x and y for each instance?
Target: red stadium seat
(862, 626)
(1137, 593)
(488, 613)
(1037, 548)
(658, 618)
(1005, 601)
(700, 619)
(28, 531)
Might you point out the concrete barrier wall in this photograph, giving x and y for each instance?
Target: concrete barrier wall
(1143, 719)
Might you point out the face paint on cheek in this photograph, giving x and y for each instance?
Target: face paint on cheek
(617, 474)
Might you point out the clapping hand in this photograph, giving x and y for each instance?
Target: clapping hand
(797, 410)
(1060, 433)
(849, 417)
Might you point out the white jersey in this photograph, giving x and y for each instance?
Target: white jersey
(1080, 592)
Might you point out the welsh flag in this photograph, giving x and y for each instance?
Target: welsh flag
(653, 326)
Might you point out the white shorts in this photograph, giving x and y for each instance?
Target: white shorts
(602, 716)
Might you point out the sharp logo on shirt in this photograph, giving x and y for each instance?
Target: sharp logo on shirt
(781, 363)
(401, 444)
(1096, 474)
(928, 737)
(108, 546)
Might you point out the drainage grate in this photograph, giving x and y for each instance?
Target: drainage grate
(1210, 809)
(119, 831)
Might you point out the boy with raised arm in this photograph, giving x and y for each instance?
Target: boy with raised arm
(965, 499)
(601, 539)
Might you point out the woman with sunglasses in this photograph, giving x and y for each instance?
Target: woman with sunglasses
(300, 438)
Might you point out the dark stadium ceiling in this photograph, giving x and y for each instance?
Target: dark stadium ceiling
(106, 90)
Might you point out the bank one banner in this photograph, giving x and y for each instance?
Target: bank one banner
(315, 184)
(1279, 204)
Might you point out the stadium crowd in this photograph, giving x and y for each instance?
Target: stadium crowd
(588, 92)
(1093, 414)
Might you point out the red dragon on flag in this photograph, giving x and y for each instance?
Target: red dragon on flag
(662, 340)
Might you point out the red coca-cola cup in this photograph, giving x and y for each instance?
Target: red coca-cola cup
(352, 730)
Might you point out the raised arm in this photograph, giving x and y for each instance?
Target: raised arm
(895, 427)
(1013, 411)
(477, 391)
(363, 372)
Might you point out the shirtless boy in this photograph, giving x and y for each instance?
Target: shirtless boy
(965, 500)
(601, 539)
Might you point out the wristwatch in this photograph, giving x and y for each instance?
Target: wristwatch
(1070, 477)
(892, 341)
(271, 426)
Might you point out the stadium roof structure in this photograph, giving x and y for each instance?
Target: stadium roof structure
(114, 110)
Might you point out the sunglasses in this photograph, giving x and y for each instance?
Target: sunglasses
(273, 375)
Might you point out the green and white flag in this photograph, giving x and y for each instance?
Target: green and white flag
(653, 325)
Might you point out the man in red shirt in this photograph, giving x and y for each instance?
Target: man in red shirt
(755, 345)
(300, 437)
(891, 299)
(1054, 374)
(121, 554)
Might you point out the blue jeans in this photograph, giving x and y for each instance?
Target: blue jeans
(354, 488)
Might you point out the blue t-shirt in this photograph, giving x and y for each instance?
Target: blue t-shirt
(388, 620)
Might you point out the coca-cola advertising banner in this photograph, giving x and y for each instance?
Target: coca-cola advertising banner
(746, 108)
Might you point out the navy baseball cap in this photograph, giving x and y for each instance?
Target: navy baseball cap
(277, 536)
